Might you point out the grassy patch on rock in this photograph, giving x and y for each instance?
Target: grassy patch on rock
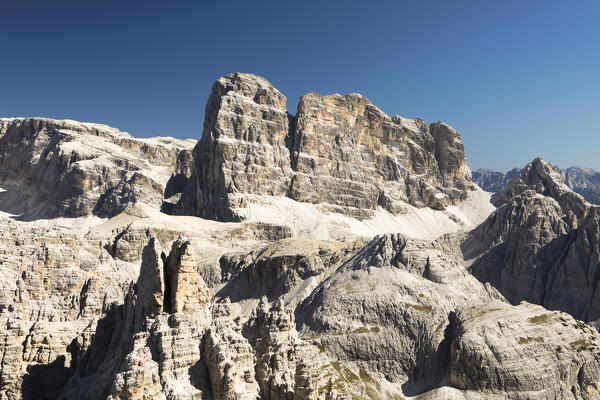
(527, 340)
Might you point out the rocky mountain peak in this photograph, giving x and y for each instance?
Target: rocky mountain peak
(584, 181)
(340, 152)
(250, 86)
(544, 179)
(541, 244)
(538, 175)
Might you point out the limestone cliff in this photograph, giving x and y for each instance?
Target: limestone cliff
(340, 152)
(51, 168)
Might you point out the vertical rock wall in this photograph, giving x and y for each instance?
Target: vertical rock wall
(341, 152)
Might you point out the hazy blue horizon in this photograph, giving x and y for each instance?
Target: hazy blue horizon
(517, 79)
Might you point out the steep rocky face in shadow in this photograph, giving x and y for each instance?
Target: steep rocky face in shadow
(53, 168)
(340, 152)
(541, 244)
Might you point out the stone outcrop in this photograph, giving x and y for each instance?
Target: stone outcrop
(150, 345)
(285, 268)
(52, 286)
(64, 286)
(386, 310)
(490, 343)
(541, 245)
(544, 179)
(243, 148)
(340, 152)
(352, 157)
(407, 311)
(53, 168)
(230, 357)
(170, 340)
(185, 290)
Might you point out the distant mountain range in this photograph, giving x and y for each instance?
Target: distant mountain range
(584, 181)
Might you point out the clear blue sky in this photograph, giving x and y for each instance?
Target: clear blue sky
(517, 78)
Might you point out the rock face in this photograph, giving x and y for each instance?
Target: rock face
(52, 168)
(351, 156)
(341, 152)
(490, 343)
(547, 181)
(407, 311)
(541, 245)
(242, 150)
(171, 340)
(584, 181)
(493, 181)
(281, 269)
(53, 286)
(386, 310)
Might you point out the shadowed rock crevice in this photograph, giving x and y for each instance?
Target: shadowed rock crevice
(45, 381)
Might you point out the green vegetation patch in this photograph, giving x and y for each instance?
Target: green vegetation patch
(527, 340)
(366, 329)
(580, 345)
(541, 319)
(345, 372)
(419, 307)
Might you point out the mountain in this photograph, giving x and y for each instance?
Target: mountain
(341, 152)
(541, 244)
(493, 181)
(338, 253)
(584, 181)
